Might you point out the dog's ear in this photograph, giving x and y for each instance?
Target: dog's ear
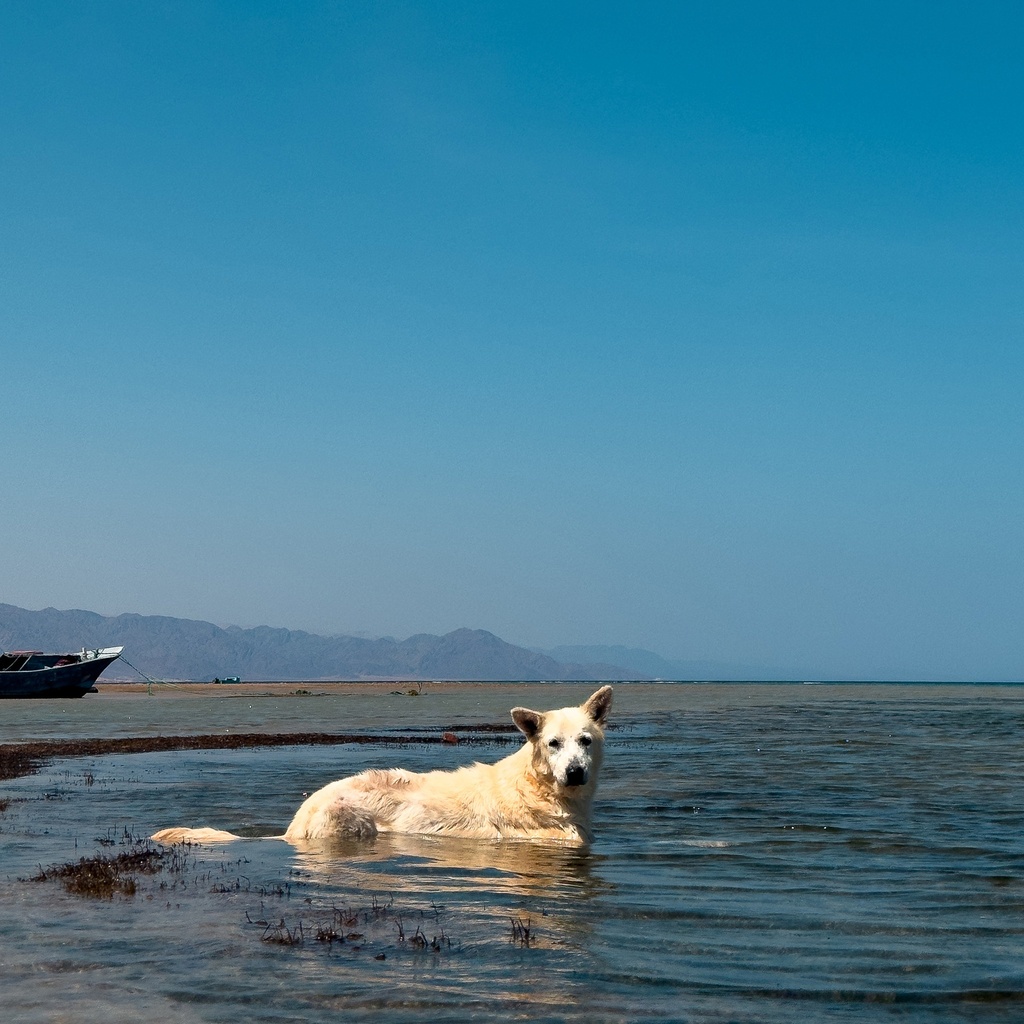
(599, 704)
(527, 722)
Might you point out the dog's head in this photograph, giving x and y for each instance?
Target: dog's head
(567, 743)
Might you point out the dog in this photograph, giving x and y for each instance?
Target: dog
(543, 791)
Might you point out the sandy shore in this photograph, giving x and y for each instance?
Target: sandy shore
(293, 689)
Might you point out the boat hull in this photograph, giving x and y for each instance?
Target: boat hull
(72, 679)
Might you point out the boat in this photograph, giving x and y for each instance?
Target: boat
(35, 674)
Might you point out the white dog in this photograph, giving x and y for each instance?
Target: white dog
(542, 791)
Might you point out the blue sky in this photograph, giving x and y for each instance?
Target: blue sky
(694, 327)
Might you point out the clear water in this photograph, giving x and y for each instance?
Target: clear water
(764, 854)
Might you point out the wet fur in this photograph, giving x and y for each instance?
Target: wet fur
(542, 791)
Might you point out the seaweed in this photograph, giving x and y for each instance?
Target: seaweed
(18, 759)
(521, 932)
(102, 876)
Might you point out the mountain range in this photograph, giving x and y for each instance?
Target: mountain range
(166, 648)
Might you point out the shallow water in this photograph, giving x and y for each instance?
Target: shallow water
(763, 853)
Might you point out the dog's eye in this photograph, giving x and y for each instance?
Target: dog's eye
(554, 743)
(586, 740)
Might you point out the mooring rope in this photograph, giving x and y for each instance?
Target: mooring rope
(158, 682)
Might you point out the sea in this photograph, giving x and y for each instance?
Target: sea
(769, 853)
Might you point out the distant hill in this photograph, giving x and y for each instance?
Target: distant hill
(184, 649)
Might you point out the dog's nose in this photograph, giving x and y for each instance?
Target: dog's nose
(576, 775)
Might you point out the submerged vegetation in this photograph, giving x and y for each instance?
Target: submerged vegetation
(359, 928)
(102, 876)
(18, 759)
(373, 925)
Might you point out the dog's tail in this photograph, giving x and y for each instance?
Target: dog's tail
(192, 835)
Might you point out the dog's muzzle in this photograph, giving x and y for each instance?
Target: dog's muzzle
(576, 775)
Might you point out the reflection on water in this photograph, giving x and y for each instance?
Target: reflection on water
(762, 855)
(431, 865)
